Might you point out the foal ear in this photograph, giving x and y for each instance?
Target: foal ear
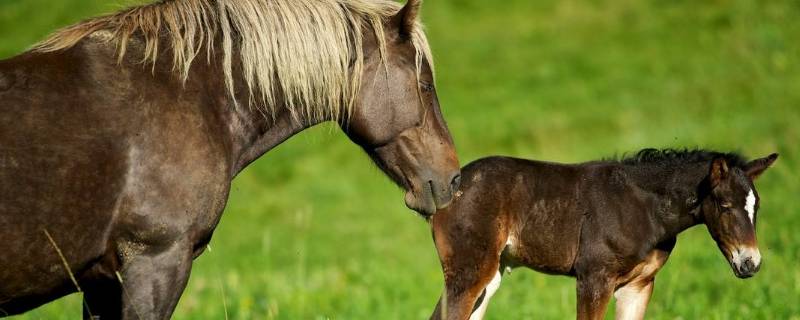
(719, 171)
(405, 20)
(755, 168)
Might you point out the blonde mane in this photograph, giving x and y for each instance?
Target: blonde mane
(309, 52)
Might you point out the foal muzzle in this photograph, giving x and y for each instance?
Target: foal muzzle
(745, 261)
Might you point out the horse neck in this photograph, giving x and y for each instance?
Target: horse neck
(257, 133)
(250, 132)
(678, 191)
(254, 134)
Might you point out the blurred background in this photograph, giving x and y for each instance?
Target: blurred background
(314, 231)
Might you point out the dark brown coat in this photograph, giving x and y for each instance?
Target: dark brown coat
(610, 224)
(114, 174)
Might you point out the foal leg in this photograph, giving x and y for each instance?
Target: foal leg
(632, 300)
(633, 296)
(469, 244)
(467, 296)
(472, 276)
(594, 293)
(483, 301)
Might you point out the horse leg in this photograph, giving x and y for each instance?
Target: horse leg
(633, 296)
(470, 246)
(594, 293)
(632, 300)
(479, 310)
(472, 275)
(152, 283)
(102, 300)
(467, 297)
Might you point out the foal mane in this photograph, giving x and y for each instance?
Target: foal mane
(682, 156)
(309, 52)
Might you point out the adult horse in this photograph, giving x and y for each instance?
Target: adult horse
(115, 165)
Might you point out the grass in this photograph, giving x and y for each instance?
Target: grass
(313, 231)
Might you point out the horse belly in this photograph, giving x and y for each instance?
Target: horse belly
(545, 237)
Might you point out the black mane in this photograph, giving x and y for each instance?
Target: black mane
(679, 156)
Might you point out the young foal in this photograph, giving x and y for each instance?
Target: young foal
(610, 224)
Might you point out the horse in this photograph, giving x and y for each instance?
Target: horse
(611, 224)
(120, 135)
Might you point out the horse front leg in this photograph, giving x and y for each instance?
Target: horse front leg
(471, 279)
(594, 293)
(102, 300)
(468, 299)
(633, 296)
(632, 300)
(153, 283)
(148, 286)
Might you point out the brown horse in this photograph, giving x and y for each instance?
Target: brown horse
(119, 136)
(610, 224)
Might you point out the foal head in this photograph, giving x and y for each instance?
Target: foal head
(730, 209)
(396, 116)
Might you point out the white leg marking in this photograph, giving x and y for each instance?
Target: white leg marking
(490, 290)
(632, 301)
(750, 205)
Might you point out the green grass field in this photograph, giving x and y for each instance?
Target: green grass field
(314, 231)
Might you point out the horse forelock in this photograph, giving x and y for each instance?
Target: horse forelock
(308, 52)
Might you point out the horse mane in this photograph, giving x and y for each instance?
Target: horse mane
(679, 156)
(309, 52)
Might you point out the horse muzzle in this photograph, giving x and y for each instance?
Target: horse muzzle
(429, 195)
(745, 262)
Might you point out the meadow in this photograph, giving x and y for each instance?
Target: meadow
(314, 231)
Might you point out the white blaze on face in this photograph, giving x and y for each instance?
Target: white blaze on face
(750, 205)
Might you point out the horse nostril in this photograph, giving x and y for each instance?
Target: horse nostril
(748, 264)
(455, 183)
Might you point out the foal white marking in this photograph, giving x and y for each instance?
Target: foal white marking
(750, 205)
(509, 243)
(490, 290)
(493, 285)
(632, 301)
(739, 255)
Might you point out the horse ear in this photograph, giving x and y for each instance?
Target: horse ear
(756, 167)
(719, 171)
(406, 19)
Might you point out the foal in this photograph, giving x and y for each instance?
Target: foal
(610, 224)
